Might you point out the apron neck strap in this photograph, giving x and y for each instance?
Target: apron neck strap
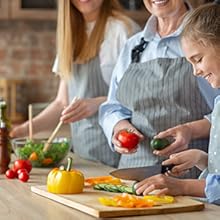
(138, 50)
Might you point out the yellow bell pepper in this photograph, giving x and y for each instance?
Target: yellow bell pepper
(160, 199)
(69, 181)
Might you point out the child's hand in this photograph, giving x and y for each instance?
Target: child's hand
(181, 135)
(163, 184)
(185, 160)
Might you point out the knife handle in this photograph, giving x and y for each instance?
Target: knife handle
(165, 168)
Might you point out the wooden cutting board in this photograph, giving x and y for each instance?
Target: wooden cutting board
(88, 202)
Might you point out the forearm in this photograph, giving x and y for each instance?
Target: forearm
(100, 100)
(47, 119)
(203, 161)
(193, 187)
(199, 129)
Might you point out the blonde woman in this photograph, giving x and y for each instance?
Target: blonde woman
(90, 35)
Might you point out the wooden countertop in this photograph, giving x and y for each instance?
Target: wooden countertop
(18, 202)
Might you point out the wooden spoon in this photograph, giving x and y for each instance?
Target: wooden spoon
(30, 116)
(52, 136)
(50, 139)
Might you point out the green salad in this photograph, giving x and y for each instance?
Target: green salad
(34, 152)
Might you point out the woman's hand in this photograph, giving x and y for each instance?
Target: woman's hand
(79, 109)
(19, 131)
(162, 183)
(181, 135)
(124, 125)
(185, 160)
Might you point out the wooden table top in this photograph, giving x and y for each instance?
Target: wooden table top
(18, 202)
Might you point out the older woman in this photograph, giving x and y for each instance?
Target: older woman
(152, 87)
(201, 44)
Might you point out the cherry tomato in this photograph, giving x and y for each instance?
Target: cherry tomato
(22, 164)
(10, 174)
(128, 139)
(23, 176)
(15, 171)
(21, 170)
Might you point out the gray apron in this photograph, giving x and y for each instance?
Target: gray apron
(88, 138)
(161, 93)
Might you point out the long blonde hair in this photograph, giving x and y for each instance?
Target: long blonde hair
(202, 25)
(73, 44)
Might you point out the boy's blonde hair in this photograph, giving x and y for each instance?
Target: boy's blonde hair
(73, 44)
(202, 25)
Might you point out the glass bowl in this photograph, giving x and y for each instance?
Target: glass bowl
(33, 150)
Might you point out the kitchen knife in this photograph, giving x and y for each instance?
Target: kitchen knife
(140, 173)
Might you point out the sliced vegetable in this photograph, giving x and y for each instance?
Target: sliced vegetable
(116, 188)
(160, 199)
(47, 161)
(33, 156)
(127, 201)
(34, 152)
(91, 181)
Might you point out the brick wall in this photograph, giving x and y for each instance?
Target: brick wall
(27, 51)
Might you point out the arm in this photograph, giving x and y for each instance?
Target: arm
(48, 118)
(108, 55)
(199, 129)
(111, 112)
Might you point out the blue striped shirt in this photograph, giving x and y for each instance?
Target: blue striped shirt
(111, 112)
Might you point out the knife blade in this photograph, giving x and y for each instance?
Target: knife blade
(140, 173)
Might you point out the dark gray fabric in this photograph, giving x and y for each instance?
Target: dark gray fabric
(88, 138)
(163, 94)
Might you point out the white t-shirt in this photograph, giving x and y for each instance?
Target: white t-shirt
(115, 37)
(116, 34)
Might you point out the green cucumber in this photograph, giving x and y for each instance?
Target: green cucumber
(101, 186)
(159, 143)
(114, 188)
(96, 186)
(128, 190)
(133, 189)
(111, 188)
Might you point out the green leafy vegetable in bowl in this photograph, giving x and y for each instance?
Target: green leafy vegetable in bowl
(33, 150)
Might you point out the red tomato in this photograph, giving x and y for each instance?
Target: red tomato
(22, 164)
(128, 139)
(10, 174)
(23, 176)
(21, 170)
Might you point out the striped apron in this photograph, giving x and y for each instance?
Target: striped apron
(88, 138)
(161, 93)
